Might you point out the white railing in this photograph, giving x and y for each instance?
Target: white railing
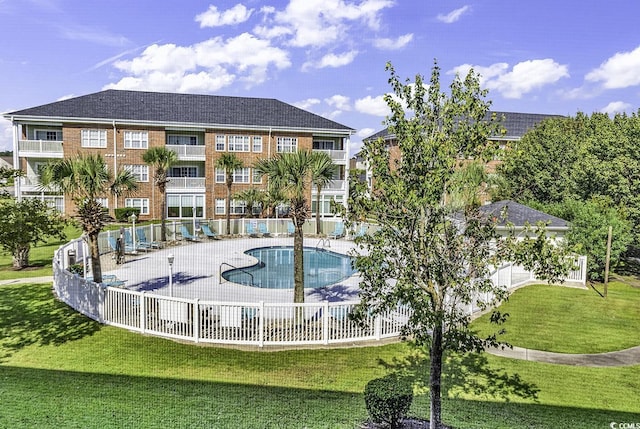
(185, 182)
(336, 155)
(40, 146)
(187, 151)
(243, 323)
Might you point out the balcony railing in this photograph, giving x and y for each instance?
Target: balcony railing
(336, 155)
(40, 147)
(187, 151)
(334, 185)
(185, 182)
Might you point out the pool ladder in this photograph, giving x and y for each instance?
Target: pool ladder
(324, 242)
(222, 279)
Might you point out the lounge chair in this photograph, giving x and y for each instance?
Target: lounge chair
(291, 229)
(262, 228)
(251, 231)
(186, 235)
(143, 242)
(361, 232)
(338, 231)
(206, 230)
(113, 243)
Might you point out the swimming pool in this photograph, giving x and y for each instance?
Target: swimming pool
(275, 268)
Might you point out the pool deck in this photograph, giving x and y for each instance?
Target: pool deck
(196, 271)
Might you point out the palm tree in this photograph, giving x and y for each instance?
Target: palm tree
(252, 197)
(161, 159)
(322, 170)
(85, 179)
(291, 172)
(229, 162)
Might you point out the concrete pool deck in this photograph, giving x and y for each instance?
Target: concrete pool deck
(196, 271)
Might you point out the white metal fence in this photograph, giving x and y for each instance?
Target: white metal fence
(244, 323)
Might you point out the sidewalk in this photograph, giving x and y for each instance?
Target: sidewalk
(46, 279)
(625, 357)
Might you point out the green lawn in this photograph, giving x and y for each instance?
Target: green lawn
(570, 320)
(59, 369)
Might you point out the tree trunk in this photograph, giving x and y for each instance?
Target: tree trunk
(163, 217)
(228, 208)
(318, 224)
(298, 264)
(435, 378)
(96, 266)
(21, 257)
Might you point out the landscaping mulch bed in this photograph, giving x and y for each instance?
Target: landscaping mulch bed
(407, 423)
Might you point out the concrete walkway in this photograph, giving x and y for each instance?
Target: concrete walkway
(45, 279)
(625, 357)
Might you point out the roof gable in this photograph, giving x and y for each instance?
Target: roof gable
(140, 106)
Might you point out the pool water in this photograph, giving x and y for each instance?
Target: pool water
(275, 268)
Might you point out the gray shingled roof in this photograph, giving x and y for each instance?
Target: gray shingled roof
(182, 108)
(516, 124)
(519, 215)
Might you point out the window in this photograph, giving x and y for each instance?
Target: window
(257, 177)
(94, 138)
(221, 205)
(141, 203)
(104, 202)
(183, 171)
(238, 143)
(50, 135)
(136, 139)
(287, 144)
(257, 144)
(323, 144)
(238, 207)
(179, 139)
(141, 172)
(325, 204)
(219, 143)
(241, 175)
(220, 175)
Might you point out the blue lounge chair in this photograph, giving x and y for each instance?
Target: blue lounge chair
(291, 228)
(361, 232)
(262, 228)
(113, 243)
(143, 242)
(206, 230)
(186, 235)
(251, 231)
(338, 231)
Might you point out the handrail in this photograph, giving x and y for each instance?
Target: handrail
(325, 242)
(235, 268)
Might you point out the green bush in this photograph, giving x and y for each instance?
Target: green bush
(123, 214)
(388, 399)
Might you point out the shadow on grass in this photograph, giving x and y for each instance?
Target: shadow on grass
(179, 278)
(95, 400)
(463, 375)
(30, 314)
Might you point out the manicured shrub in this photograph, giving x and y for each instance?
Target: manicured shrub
(388, 399)
(123, 214)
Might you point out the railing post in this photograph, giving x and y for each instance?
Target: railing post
(378, 327)
(325, 322)
(196, 321)
(261, 325)
(143, 312)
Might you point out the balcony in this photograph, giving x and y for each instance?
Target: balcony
(188, 152)
(186, 184)
(337, 156)
(40, 148)
(333, 186)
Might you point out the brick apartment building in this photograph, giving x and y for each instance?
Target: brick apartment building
(121, 125)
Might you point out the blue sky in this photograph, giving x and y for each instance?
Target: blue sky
(326, 56)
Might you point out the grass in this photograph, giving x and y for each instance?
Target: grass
(82, 374)
(569, 320)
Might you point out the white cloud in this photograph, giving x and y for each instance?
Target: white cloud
(616, 107)
(619, 71)
(320, 23)
(66, 97)
(523, 78)
(341, 102)
(206, 66)
(214, 18)
(375, 106)
(307, 104)
(393, 44)
(92, 35)
(365, 132)
(454, 15)
(331, 60)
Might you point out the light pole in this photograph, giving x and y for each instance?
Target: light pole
(133, 230)
(170, 259)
